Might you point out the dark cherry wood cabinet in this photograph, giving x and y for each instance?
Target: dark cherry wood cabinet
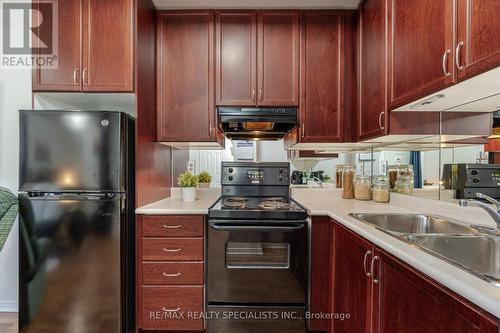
(322, 76)
(185, 62)
(67, 76)
(478, 43)
(95, 48)
(278, 58)
(170, 272)
(372, 72)
(236, 58)
(384, 295)
(421, 49)
(322, 240)
(108, 45)
(257, 58)
(406, 301)
(352, 284)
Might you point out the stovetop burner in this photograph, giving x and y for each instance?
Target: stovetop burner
(235, 203)
(274, 203)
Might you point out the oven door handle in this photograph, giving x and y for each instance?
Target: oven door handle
(264, 228)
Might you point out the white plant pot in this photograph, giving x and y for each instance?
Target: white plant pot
(189, 194)
(204, 185)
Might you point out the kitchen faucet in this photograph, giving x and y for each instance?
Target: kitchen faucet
(318, 181)
(493, 211)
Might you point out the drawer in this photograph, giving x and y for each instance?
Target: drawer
(173, 226)
(167, 308)
(173, 249)
(154, 273)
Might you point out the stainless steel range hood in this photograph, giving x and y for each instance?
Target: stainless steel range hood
(256, 123)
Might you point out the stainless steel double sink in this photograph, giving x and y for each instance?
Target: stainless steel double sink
(469, 248)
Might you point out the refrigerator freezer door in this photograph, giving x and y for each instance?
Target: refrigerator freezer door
(70, 265)
(72, 151)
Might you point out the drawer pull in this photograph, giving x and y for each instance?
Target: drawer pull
(177, 226)
(172, 250)
(171, 274)
(170, 310)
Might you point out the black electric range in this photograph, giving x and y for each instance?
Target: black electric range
(257, 251)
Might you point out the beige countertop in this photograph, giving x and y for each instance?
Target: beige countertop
(174, 205)
(328, 202)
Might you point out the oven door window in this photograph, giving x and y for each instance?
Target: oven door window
(257, 255)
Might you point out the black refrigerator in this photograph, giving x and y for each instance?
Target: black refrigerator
(76, 235)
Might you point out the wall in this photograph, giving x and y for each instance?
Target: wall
(15, 94)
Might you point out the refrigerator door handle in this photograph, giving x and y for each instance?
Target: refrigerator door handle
(71, 196)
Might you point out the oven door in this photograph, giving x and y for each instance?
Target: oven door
(258, 262)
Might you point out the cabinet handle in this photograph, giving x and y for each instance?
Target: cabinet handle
(260, 94)
(372, 269)
(380, 120)
(171, 274)
(211, 129)
(303, 131)
(365, 260)
(84, 76)
(75, 77)
(172, 226)
(172, 250)
(253, 94)
(457, 55)
(170, 310)
(445, 63)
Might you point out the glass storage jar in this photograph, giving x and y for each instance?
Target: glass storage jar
(392, 173)
(363, 188)
(404, 185)
(348, 182)
(339, 170)
(381, 190)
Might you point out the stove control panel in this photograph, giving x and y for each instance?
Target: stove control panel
(248, 173)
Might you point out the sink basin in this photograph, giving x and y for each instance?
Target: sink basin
(402, 224)
(478, 254)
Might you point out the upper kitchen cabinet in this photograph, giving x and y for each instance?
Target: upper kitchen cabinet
(185, 86)
(421, 49)
(67, 76)
(257, 58)
(236, 58)
(322, 77)
(372, 73)
(278, 58)
(96, 48)
(108, 45)
(478, 45)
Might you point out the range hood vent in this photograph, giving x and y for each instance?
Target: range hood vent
(256, 123)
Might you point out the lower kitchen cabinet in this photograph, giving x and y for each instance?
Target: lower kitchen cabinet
(170, 272)
(381, 294)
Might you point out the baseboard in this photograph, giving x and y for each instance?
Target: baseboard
(6, 306)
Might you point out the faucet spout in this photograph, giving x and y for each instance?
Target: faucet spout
(494, 213)
(318, 181)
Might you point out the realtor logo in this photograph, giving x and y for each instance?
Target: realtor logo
(29, 36)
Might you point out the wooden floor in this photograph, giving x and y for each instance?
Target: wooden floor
(8, 322)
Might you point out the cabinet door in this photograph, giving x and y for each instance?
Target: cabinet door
(421, 57)
(405, 301)
(478, 37)
(185, 76)
(236, 54)
(108, 39)
(352, 285)
(321, 270)
(278, 58)
(322, 77)
(372, 106)
(67, 75)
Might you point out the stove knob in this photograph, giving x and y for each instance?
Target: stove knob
(230, 170)
(281, 170)
(230, 178)
(474, 172)
(281, 179)
(475, 180)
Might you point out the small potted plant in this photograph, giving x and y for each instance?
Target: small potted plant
(189, 183)
(204, 179)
